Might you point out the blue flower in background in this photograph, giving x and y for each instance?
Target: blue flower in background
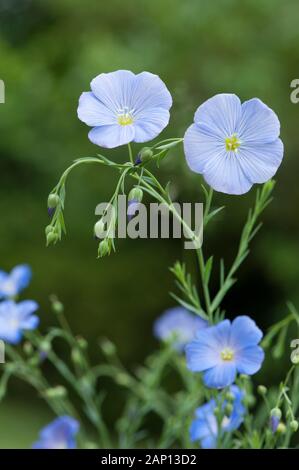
(123, 107)
(223, 350)
(15, 318)
(60, 434)
(205, 428)
(234, 145)
(178, 325)
(11, 284)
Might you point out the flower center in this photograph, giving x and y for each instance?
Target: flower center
(227, 354)
(124, 117)
(232, 143)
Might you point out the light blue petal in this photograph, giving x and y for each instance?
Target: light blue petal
(220, 115)
(93, 112)
(30, 323)
(258, 123)
(114, 89)
(260, 162)
(202, 147)
(226, 175)
(26, 308)
(21, 275)
(244, 332)
(249, 360)
(112, 136)
(198, 430)
(221, 375)
(201, 357)
(150, 92)
(208, 442)
(149, 123)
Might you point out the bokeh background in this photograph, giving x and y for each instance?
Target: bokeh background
(49, 52)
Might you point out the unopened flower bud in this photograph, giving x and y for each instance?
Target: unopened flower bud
(77, 357)
(108, 347)
(281, 428)
(262, 390)
(276, 412)
(136, 195)
(104, 248)
(57, 306)
(99, 230)
(82, 343)
(144, 155)
(53, 201)
(52, 237)
(294, 425)
(228, 409)
(49, 229)
(229, 396)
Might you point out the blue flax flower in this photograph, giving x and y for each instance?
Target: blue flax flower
(11, 284)
(222, 350)
(60, 434)
(234, 145)
(15, 318)
(205, 428)
(178, 325)
(123, 107)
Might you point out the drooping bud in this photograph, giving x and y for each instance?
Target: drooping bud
(52, 237)
(82, 343)
(99, 230)
(57, 306)
(276, 412)
(144, 155)
(107, 347)
(104, 248)
(53, 201)
(294, 425)
(262, 390)
(228, 409)
(134, 199)
(281, 428)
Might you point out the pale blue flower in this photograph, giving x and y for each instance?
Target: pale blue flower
(205, 429)
(234, 145)
(15, 318)
(179, 326)
(60, 434)
(123, 107)
(11, 284)
(223, 350)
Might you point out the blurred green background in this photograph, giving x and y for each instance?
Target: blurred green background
(50, 50)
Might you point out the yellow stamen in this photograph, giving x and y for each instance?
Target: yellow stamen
(125, 119)
(232, 143)
(227, 354)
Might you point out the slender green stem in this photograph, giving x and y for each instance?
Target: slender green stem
(130, 153)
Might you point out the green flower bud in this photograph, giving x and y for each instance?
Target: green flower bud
(228, 409)
(53, 201)
(144, 155)
(104, 248)
(294, 425)
(45, 346)
(57, 306)
(262, 390)
(281, 428)
(135, 195)
(49, 229)
(276, 412)
(108, 347)
(229, 396)
(82, 343)
(77, 357)
(99, 229)
(52, 237)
